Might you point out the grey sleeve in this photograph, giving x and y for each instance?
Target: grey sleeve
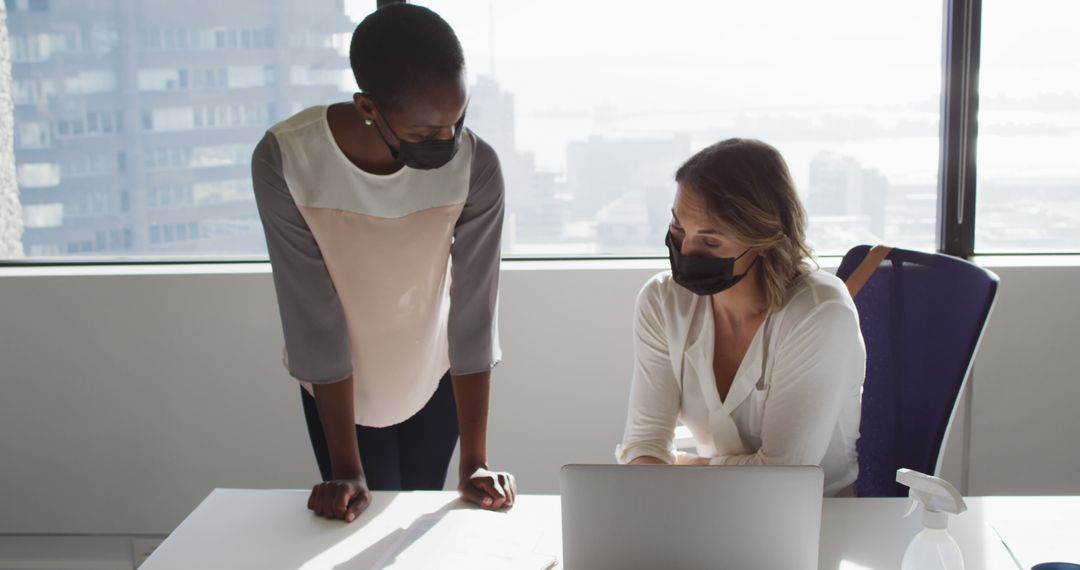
(476, 254)
(316, 337)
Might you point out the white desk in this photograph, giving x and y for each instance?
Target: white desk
(273, 529)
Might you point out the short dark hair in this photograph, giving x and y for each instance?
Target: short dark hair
(401, 49)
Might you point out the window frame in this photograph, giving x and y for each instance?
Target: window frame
(961, 39)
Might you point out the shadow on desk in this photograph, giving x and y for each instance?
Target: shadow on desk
(398, 540)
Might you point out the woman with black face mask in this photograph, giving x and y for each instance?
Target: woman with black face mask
(757, 352)
(383, 219)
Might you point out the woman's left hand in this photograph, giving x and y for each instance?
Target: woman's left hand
(492, 490)
(690, 459)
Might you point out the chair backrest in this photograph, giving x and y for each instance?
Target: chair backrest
(922, 316)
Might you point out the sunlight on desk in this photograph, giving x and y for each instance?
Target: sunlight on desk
(262, 529)
(269, 529)
(468, 540)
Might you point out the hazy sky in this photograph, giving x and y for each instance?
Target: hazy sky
(578, 68)
(634, 69)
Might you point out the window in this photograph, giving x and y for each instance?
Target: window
(316, 40)
(38, 174)
(90, 204)
(1028, 193)
(176, 196)
(208, 156)
(32, 135)
(309, 75)
(86, 165)
(92, 123)
(95, 168)
(32, 92)
(164, 119)
(36, 48)
(161, 79)
(27, 5)
(173, 232)
(589, 125)
(90, 82)
(43, 215)
(222, 191)
(590, 131)
(239, 76)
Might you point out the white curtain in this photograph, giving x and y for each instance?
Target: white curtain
(11, 222)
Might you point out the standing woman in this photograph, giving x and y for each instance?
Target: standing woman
(383, 219)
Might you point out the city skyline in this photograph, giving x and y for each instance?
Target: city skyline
(133, 134)
(133, 137)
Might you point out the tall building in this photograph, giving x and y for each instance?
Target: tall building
(135, 119)
(491, 115)
(534, 211)
(602, 170)
(841, 187)
(626, 187)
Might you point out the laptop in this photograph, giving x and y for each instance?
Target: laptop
(663, 516)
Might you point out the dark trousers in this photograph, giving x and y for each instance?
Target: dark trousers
(412, 455)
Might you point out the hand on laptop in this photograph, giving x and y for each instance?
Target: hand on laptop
(681, 458)
(342, 499)
(491, 490)
(690, 459)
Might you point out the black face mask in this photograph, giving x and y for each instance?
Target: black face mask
(704, 275)
(425, 155)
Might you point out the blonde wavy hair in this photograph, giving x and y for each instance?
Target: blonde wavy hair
(748, 192)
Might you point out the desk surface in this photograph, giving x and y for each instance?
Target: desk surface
(236, 528)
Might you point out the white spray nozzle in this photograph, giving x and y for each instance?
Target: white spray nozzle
(936, 495)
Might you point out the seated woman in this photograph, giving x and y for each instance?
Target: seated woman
(758, 353)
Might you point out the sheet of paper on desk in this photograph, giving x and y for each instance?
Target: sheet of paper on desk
(1034, 542)
(472, 539)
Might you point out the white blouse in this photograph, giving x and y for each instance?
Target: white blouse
(795, 399)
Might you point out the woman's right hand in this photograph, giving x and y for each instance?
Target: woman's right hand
(340, 499)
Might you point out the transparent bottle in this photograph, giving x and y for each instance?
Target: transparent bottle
(933, 548)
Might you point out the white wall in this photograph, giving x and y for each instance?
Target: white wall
(1025, 425)
(127, 398)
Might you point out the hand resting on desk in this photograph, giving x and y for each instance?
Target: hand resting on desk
(342, 499)
(491, 490)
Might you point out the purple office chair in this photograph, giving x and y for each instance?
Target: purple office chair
(921, 315)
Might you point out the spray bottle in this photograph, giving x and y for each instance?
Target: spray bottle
(932, 548)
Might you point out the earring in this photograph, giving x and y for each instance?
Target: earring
(368, 122)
